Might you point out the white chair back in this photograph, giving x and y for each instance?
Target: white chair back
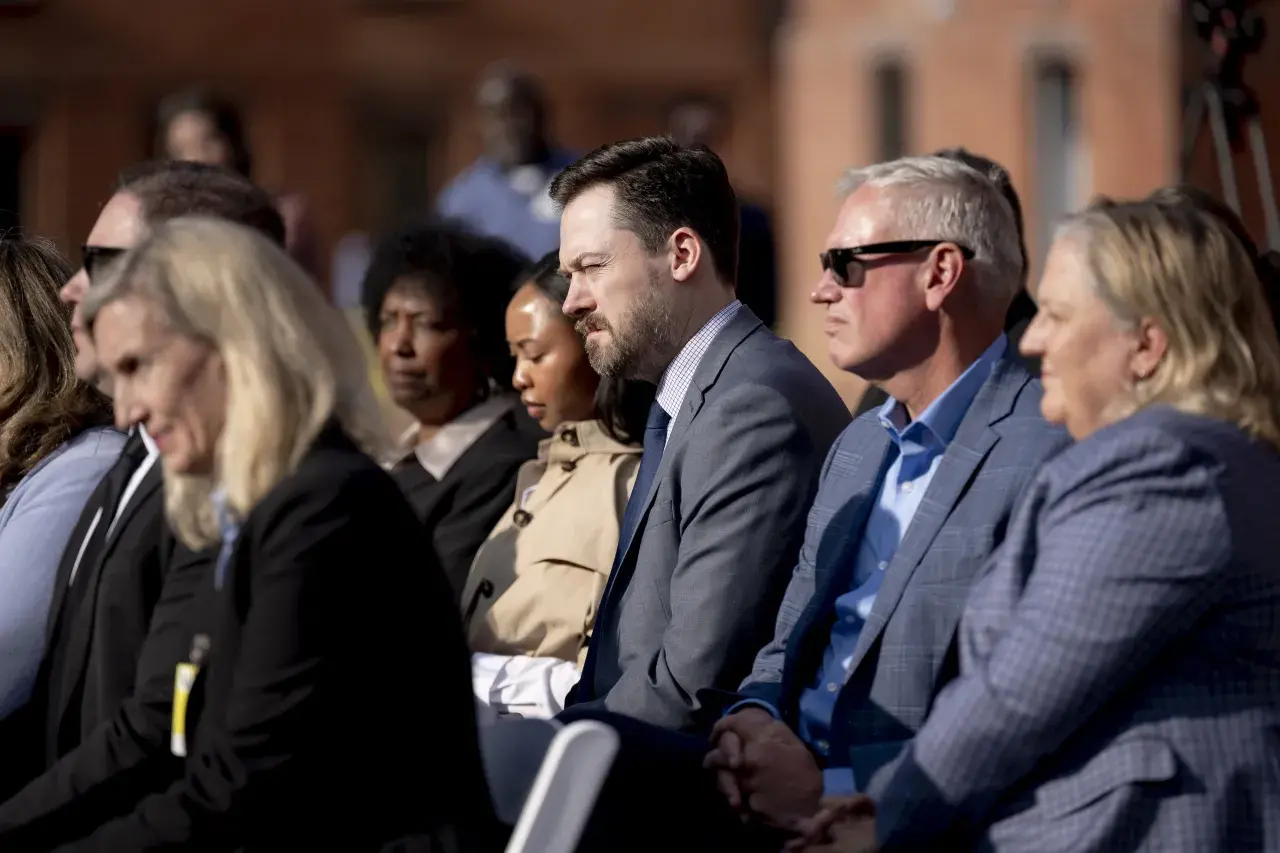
(565, 791)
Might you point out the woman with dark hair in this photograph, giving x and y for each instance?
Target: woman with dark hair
(201, 127)
(433, 297)
(55, 446)
(531, 598)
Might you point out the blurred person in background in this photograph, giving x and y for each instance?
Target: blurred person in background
(504, 193)
(1147, 550)
(1023, 308)
(199, 127)
(285, 708)
(532, 594)
(98, 720)
(433, 299)
(699, 120)
(56, 445)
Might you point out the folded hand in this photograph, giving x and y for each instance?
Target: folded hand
(764, 770)
(842, 825)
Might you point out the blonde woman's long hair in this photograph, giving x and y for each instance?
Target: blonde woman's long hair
(291, 360)
(1185, 270)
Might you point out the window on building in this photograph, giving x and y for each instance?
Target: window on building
(1059, 148)
(891, 108)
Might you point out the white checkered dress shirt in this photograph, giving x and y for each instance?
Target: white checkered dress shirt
(678, 376)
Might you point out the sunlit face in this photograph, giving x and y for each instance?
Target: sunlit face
(172, 385)
(552, 375)
(119, 226)
(425, 357)
(875, 328)
(1086, 355)
(617, 291)
(192, 136)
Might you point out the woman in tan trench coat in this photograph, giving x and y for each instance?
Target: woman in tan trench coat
(530, 600)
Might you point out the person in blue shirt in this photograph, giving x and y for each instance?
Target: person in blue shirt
(919, 271)
(504, 193)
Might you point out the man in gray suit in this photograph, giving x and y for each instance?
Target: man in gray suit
(920, 269)
(735, 439)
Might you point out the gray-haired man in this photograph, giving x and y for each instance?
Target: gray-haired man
(919, 271)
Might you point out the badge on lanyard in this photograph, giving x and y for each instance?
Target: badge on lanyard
(184, 679)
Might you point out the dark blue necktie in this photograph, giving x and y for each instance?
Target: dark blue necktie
(655, 441)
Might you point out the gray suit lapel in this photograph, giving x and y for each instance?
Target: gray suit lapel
(742, 324)
(963, 457)
(865, 471)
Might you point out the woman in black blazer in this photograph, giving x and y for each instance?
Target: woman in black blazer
(324, 700)
(435, 298)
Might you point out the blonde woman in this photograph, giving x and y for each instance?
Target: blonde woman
(1120, 660)
(294, 708)
(55, 447)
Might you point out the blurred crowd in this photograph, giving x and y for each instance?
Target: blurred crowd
(279, 575)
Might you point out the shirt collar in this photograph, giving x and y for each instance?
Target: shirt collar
(148, 442)
(940, 421)
(223, 514)
(440, 452)
(676, 379)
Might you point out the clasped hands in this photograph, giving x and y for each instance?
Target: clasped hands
(767, 773)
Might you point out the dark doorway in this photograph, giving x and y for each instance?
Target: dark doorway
(12, 146)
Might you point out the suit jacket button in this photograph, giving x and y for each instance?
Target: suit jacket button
(521, 518)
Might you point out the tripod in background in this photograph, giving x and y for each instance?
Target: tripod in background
(1233, 30)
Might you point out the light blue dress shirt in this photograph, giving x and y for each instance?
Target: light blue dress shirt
(918, 447)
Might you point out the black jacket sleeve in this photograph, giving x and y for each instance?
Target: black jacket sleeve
(126, 758)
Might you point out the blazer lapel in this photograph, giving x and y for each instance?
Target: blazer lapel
(151, 481)
(62, 581)
(742, 324)
(960, 462)
(93, 509)
(837, 551)
(859, 479)
(80, 629)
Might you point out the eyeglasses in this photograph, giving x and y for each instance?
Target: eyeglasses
(96, 258)
(842, 262)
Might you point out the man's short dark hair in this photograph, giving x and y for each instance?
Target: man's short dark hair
(999, 176)
(466, 274)
(662, 186)
(169, 189)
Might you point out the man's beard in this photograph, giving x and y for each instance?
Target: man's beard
(641, 345)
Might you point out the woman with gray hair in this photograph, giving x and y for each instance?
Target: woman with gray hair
(1119, 681)
(288, 709)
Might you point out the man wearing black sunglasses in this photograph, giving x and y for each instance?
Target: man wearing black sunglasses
(1023, 308)
(94, 736)
(919, 270)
